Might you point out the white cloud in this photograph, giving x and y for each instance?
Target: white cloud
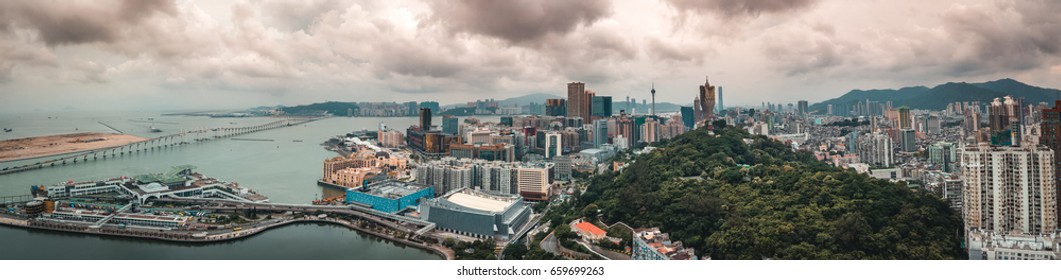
(284, 52)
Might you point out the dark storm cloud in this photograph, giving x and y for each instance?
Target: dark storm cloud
(1004, 38)
(411, 59)
(518, 21)
(735, 8)
(80, 22)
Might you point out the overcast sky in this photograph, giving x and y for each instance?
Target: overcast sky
(225, 54)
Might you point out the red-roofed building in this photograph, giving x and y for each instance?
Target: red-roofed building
(589, 231)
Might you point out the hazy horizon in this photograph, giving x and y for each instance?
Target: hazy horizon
(223, 55)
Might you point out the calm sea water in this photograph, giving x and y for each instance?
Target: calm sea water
(283, 169)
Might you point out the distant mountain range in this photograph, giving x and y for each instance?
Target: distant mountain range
(514, 101)
(340, 108)
(332, 107)
(540, 98)
(937, 98)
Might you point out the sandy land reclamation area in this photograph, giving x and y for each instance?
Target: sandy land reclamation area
(22, 148)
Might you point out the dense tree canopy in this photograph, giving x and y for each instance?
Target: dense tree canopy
(737, 196)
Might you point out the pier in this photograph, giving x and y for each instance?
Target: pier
(157, 143)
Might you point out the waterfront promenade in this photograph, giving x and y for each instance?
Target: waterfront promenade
(227, 235)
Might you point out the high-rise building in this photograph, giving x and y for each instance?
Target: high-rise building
(876, 149)
(906, 120)
(553, 144)
(971, 121)
(852, 142)
(707, 102)
(450, 124)
(721, 106)
(431, 105)
(586, 112)
(1009, 190)
(600, 133)
(556, 107)
(933, 124)
(688, 118)
(574, 98)
(425, 119)
(943, 155)
(1050, 129)
(411, 108)
(534, 182)
(602, 106)
(697, 113)
(1006, 120)
(952, 192)
(650, 131)
(802, 107)
(908, 140)
(390, 138)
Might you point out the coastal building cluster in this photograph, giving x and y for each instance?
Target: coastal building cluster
(363, 163)
(180, 182)
(532, 181)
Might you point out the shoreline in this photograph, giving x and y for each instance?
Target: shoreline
(243, 234)
(44, 146)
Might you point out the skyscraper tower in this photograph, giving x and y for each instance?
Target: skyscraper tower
(906, 121)
(707, 101)
(720, 105)
(1051, 138)
(575, 93)
(697, 113)
(425, 119)
(653, 98)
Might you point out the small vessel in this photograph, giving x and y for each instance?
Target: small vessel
(8, 129)
(155, 129)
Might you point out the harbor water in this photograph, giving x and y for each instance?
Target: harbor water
(282, 164)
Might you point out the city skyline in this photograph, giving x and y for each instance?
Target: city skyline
(185, 55)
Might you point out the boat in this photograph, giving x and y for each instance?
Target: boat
(8, 130)
(155, 129)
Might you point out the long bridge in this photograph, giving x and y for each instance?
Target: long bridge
(166, 141)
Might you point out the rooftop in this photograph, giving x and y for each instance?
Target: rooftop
(478, 202)
(590, 228)
(393, 189)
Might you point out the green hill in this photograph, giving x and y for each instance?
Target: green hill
(333, 107)
(937, 98)
(731, 200)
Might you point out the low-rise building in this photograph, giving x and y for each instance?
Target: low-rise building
(477, 214)
(985, 245)
(651, 244)
(589, 231)
(389, 196)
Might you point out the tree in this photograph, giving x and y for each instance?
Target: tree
(590, 211)
(515, 251)
(733, 200)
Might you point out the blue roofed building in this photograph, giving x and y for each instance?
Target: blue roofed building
(389, 196)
